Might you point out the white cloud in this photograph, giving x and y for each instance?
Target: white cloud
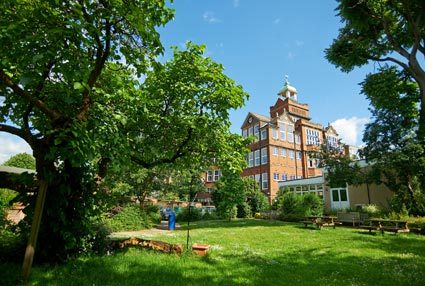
(11, 145)
(276, 21)
(350, 130)
(210, 17)
(219, 45)
(236, 3)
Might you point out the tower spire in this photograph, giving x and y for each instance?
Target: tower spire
(288, 91)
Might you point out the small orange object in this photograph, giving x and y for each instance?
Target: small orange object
(200, 249)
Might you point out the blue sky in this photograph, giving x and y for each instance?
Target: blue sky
(259, 42)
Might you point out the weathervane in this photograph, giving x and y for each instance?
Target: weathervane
(286, 79)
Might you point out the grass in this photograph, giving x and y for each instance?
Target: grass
(251, 252)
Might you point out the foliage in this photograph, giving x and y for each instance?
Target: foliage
(185, 215)
(244, 210)
(398, 155)
(229, 192)
(295, 207)
(12, 244)
(372, 210)
(69, 87)
(392, 32)
(256, 199)
(6, 196)
(131, 217)
(383, 31)
(22, 160)
(210, 216)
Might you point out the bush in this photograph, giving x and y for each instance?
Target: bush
(153, 213)
(372, 210)
(195, 214)
(295, 207)
(311, 205)
(210, 216)
(244, 210)
(131, 217)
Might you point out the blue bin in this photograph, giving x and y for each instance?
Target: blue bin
(172, 221)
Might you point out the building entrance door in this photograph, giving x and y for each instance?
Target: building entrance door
(339, 198)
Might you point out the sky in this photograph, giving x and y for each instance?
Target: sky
(259, 42)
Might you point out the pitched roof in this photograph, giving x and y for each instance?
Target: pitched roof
(14, 170)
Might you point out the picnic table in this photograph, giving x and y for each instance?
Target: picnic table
(319, 221)
(386, 225)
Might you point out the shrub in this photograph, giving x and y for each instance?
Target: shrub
(295, 207)
(311, 205)
(244, 210)
(153, 213)
(131, 217)
(372, 210)
(183, 215)
(210, 216)
(290, 203)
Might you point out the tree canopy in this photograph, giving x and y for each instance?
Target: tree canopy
(81, 83)
(389, 31)
(21, 160)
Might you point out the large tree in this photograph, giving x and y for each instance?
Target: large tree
(70, 86)
(390, 31)
(53, 55)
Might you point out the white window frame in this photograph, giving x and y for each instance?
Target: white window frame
(210, 176)
(282, 131)
(263, 133)
(299, 155)
(290, 129)
(276, 176)
(257, 131)
(275, 151)
(244, 133)
(257, 158)
(275, 134)
(264, 156)
(217, 174)
(297, 139)
(264, 181)
(291, 154)
(283, 152)
(251, 159)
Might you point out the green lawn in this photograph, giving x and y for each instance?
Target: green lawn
(252, 252)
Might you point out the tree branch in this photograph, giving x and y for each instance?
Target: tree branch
(102, 55)
(7, 80)
(178, 154)
(391, 59)
(44, 76)
(16, 131)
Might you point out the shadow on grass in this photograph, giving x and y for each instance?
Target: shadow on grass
(316, 260)
(313, 266)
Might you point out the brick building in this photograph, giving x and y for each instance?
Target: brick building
(284, 142)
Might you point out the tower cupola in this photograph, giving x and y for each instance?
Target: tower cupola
(288, 91)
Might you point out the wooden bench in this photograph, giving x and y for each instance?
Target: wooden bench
(350, 217)
(369, 227)
(383, 225)
(319, 221)
(307, 222)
